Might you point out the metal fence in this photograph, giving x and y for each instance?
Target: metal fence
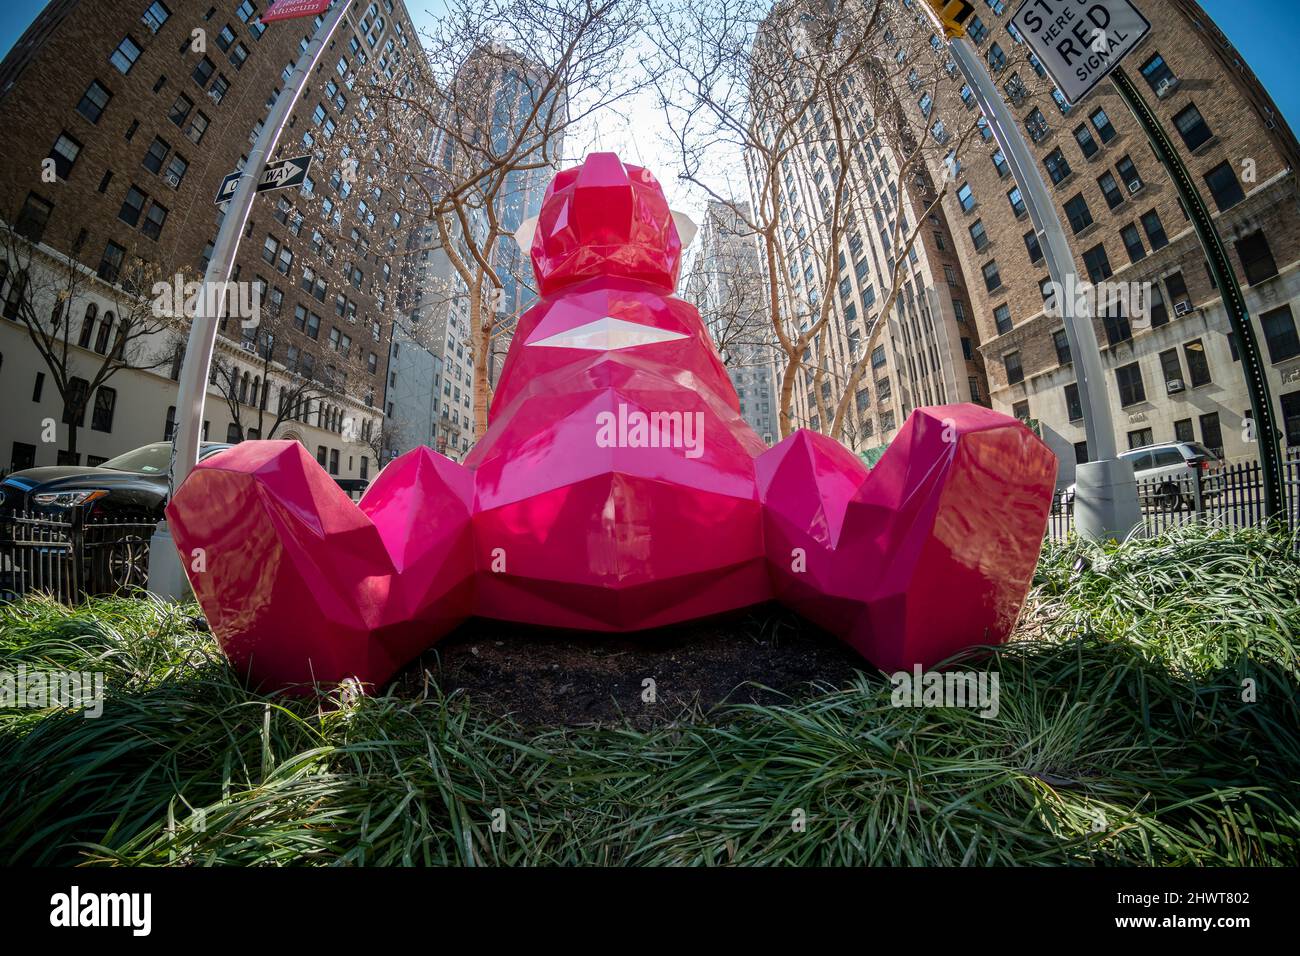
(1229, 495)
(74, 556)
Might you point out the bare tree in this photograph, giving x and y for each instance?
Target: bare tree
(469, 129)
(87, 326)
(804, 92)
(271, 379)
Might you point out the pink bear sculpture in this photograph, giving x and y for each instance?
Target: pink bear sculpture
(617, 488)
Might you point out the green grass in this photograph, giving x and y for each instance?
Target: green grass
(1122, 738)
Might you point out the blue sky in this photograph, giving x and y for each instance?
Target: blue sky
(1263, 30)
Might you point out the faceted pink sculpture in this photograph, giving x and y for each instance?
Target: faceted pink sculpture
(617, 489)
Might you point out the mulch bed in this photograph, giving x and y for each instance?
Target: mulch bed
(546, 677)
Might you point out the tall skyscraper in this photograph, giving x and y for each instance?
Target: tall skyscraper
(725, 283)
(924, 351)
(487, 109)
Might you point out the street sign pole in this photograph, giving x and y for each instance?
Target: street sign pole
(1105, 499)
(1080, 44)
(1252, 364)
(165, 575)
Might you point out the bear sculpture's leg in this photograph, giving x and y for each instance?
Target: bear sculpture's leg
(300, 585)
(930, 552)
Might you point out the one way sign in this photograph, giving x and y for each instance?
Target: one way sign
(287, 172)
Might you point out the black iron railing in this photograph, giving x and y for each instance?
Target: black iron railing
(73, 556)
(1230, 495)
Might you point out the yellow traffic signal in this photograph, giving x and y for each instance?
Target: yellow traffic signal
(952, 15)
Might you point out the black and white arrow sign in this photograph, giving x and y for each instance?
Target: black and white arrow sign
(287, 172)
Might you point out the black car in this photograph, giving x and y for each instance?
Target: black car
(133, 484)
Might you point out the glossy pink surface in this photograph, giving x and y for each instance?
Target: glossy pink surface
(617, 489)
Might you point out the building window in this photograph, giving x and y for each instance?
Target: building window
(34, 217)
(110, 263)
(101, 419)
(156, 155)
(1076, 210)
(1097, 263)
(1198, 365)
(1083, 136)
(1291, 418)
(1002, 319)
(1256, 258)
(1129, 380)
(1140, 438)
(1101, 122)
(1116, 325)
(1192, 127)
(1172, 370)
(996, 58)
(1057, 165)
(1211, 433)
(1036, 124)
(1062, 343)
(1015, 371)
(1133, 243)
(1031, 244)
(132, 206)
(1081, 453)
(64, 152)
(94, 101)
(1280, 334)
(74, 405)
(1017, 202)
(1073, 407)
(203, 71)
(1000, 164)
(992, 278)
(1155, 230)
(198, 126)
(1159, 77)
(966, 197)
(124, 57)
(154, 220)
(1128, 175)
(155, 16)
(1183, 430)
(978, 236)
(1110, 189)
(1178, 293)
(1222, 180)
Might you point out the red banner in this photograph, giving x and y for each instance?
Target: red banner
(291, 9)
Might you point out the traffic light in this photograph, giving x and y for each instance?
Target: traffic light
(952, 15)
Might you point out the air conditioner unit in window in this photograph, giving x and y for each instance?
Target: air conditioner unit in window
(1174, 385)
(1165, 87)
(1135, 186)
(1182, 308)
(172, 180)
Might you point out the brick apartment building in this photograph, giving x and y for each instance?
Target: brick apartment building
(142, 128)
(1176, 376)
(926, 351)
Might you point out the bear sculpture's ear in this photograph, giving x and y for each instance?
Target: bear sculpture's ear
(524, 234)
(686, 228)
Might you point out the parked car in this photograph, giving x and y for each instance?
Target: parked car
(133, 484)
(1166, 474)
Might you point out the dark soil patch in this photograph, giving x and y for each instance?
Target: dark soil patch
(541, 676)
